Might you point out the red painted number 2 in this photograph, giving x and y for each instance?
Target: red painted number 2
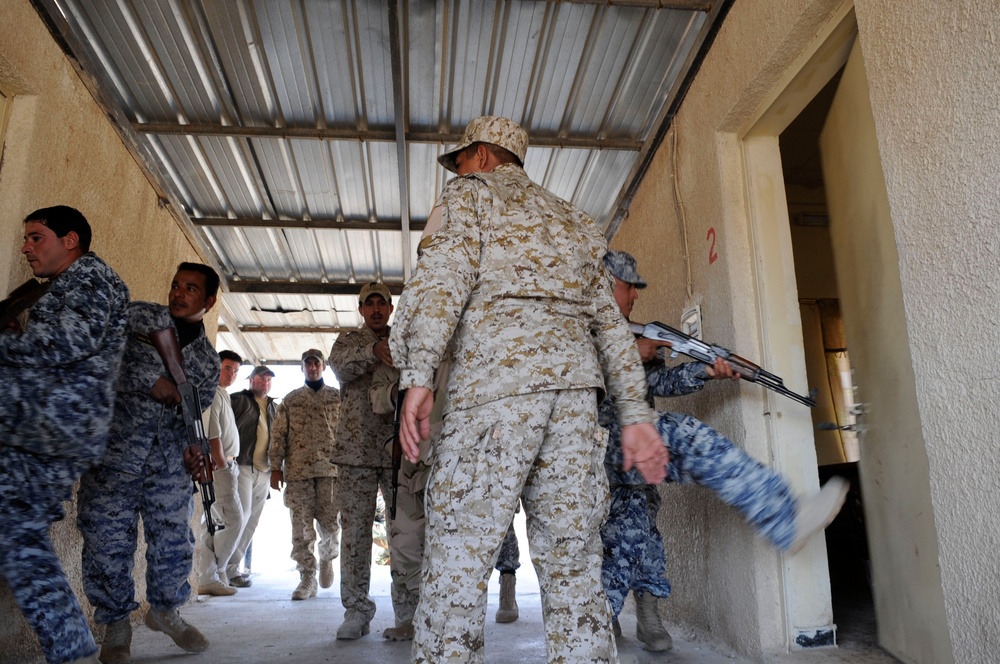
(711, 250)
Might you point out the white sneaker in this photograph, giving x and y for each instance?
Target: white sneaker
(817, 510)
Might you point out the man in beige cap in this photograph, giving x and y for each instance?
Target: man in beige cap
(301, 457)
(511, 277)
(362, 456)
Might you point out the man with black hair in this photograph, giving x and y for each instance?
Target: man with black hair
(214, 551)
(143, 473)
(58, 376)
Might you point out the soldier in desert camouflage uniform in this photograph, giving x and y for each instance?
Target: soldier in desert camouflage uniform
(143, 472)
(633, 547)
(58, 376)
(514, 279)
(301, 455)
(362, 454)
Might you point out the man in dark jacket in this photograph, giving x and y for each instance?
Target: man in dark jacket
(254, 412)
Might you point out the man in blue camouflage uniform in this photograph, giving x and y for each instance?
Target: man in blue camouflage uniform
(143, 473)
(633, 546)
(58, 375)
(512, 282)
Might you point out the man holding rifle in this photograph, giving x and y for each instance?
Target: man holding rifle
(143, 472)
(633, 546)
(58, 374)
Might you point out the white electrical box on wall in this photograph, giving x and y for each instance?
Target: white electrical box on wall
(691, 321)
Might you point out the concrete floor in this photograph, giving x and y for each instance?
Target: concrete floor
(262, 624)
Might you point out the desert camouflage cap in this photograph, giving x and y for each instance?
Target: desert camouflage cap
(374, 288)
(623, 266)
(489, 129)
(313, 352)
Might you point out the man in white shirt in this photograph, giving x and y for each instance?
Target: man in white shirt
(215, 551)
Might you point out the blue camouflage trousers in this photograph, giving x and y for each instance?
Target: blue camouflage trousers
(32, 489)
(633, 546)
(110, 502)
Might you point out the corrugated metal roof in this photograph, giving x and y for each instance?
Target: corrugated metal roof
(274, 127)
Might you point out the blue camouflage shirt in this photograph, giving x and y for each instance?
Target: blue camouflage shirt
(139, 420)
(661, 381)
(58, 373)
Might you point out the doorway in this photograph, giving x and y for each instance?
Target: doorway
(828, 367)
(892, 469)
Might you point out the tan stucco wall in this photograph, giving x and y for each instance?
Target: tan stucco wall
(61, 149)
(934, 85)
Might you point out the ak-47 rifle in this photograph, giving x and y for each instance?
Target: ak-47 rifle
(166, 344)
(21, 299)
(703, 352)
(397, 451)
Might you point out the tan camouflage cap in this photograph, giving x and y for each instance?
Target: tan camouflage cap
(489, 129)
(375, 288)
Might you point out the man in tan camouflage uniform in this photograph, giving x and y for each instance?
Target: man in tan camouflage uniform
(361, 452)
(513, 278)
(300, 456)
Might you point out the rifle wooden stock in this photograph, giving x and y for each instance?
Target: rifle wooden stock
(20, 300)
(166, 344)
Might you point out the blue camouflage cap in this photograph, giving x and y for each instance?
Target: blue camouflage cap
(622, 265)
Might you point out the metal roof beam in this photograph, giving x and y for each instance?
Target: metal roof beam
(302, 287)
(346, 224)
(690, 5)
(369, 135)
(281, 329)
(402, 161)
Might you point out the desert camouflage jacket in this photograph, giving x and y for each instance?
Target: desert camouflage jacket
(138, 419)
(662, 381)
(514, 279)
(59, 373)
(362, 437)
(303, 432)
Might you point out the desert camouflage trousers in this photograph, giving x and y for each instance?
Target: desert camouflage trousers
(110, 502)
(32, 489)
(548, 450)
(357, 490)
(313, 501)
(633, 546)
(406, 544)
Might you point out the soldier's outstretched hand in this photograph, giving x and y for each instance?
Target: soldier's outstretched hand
(643, 448)
(415, 424)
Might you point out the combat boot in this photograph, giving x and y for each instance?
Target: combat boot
(353, 627)
(186, 636)
(117, 645)
(325, 573)
(401, 632)
(507, 613)
(306, 587)
(648, 628)
(92, 659)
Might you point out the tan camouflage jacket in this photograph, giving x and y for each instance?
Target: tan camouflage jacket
(515, 274)
(362, 437)
(303, 433)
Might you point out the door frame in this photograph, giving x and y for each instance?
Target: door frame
(804, 578)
